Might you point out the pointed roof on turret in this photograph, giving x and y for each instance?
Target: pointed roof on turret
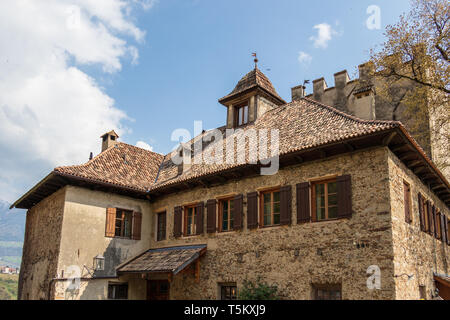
(254, 80)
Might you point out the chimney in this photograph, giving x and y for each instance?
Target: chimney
(366, 70)
(341, 79)
(298, 92)
(319, 87)
(109, 140)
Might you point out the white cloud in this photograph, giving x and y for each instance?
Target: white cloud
(304, 58)
(51, 112)
(143, 145)
(324, 34)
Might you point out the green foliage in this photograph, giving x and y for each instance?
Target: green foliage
(258, 290)
(8, 286)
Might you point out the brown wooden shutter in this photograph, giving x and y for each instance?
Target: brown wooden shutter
(286, 205)
(211, 215)
(447, 230)
(199, 221)
(238, 211)
(421, 213)
(177, 218)
(344, 195)
(110, 229)
(303, 207)
(252, 210)
(430, 218)
(435, 223)
(136, 223)
(443, 235)
(406, 201)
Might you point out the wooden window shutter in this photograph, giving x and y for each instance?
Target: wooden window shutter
(406, 201)
(177, 218)
(303, 207)
(443, 235)
(344, 195)
(199, 221)
(435, 223)
(252, 210)
(110, 229)
(238, 211)
(286, 205)
(137, 223)
(430, 218)
(447, 229)
(421, 213)
(211, 215)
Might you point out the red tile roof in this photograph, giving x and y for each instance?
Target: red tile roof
(122, 165)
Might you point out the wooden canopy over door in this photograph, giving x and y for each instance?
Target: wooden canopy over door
(443, 285)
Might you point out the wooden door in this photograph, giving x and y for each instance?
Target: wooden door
(158, 289)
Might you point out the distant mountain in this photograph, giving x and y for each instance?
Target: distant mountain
(12, 223)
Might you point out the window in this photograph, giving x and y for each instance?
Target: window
(241, 115)
(118, 291)
(226, 215)
(228, 292)
(324, 200)
(161, 231)
(407, 201)
(327, 292)
(270, 208)
(123, 223)
(190, 214)
(423, 292)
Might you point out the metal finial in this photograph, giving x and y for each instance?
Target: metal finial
(255, 60)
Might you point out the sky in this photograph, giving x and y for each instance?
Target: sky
(71, 70)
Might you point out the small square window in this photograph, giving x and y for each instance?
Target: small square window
(228, 292)
(118, 291)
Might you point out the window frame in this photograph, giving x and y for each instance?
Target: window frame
(122, 229)
(194, 218)
(237, 111)
(229, 200)
(313, 185)
(113, 285)
(261, 207)
(426, 216)
(438, 225)
(229, 286)
(158, 225)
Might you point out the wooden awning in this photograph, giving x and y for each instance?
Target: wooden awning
(170, 260)
(443, 285)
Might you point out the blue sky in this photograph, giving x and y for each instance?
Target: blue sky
(196, 51)
(70, 70)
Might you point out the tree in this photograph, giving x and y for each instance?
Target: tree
(413, 69)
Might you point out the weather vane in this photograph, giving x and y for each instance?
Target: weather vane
(255, 60)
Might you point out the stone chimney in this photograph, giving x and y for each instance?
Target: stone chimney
(298, 92)
(341, 79)
(109, 139)
(366, 70)
(319, 87)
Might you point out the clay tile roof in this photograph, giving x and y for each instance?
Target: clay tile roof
(302, 125)
(253, 79)
(172, 259)
(122, 165)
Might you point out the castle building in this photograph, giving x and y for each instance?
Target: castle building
(354, 209)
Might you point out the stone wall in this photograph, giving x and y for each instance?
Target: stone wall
(41, 247)
(295, 257)
(416, 253)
